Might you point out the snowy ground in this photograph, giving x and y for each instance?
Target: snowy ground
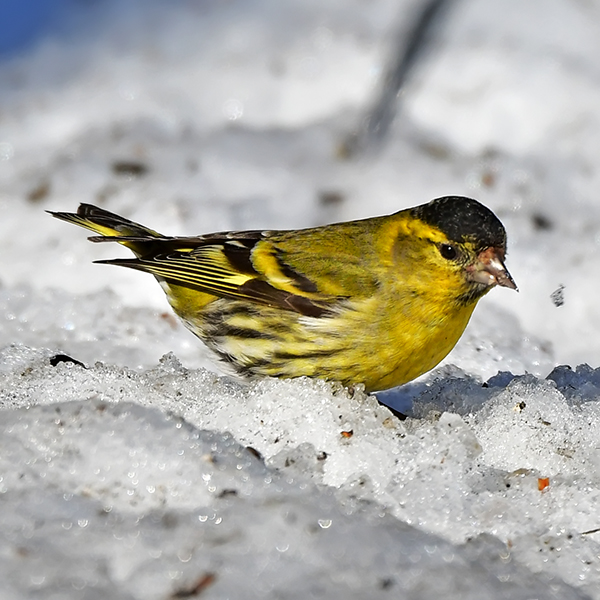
(128, 475)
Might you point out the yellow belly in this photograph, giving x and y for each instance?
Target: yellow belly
(365, 343)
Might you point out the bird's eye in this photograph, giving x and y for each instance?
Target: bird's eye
(448, 252)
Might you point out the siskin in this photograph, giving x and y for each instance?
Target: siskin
(378, 301)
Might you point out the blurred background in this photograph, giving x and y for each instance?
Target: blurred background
(193, 116)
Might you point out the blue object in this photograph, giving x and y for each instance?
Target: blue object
(23, 22)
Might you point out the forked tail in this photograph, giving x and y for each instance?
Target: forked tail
(109, 226)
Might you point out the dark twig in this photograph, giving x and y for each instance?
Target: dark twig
(591, 531)
(405, 55)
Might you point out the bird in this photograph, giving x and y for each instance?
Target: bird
(377, 301)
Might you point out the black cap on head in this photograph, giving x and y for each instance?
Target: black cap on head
(463, 219)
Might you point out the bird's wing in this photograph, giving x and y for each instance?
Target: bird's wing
(245, 266)
(309, 271)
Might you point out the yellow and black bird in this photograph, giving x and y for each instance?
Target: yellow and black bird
(378, 301)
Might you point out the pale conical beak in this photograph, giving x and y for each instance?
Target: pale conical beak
(489, 269)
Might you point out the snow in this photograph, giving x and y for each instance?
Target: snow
(133, 466)
(128, 483)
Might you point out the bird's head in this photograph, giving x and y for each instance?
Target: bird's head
(464, 244)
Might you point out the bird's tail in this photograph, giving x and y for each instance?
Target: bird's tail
(111, 227)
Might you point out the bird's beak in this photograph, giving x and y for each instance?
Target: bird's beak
(489, 269)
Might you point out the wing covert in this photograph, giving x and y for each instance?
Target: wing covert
(225, 267)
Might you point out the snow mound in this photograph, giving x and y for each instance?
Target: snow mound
(131, 476)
